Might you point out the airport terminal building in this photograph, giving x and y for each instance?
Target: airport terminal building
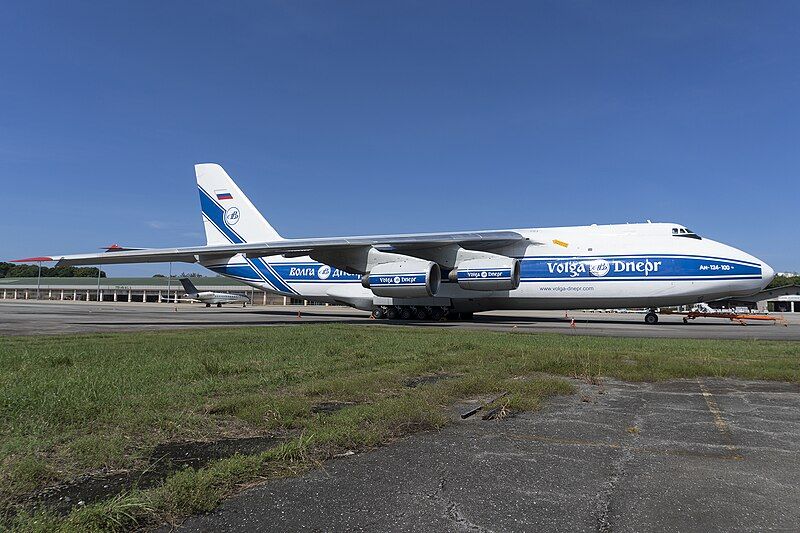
(126, 289)
(784, 299)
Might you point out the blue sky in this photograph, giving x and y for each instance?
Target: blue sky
(373, 117)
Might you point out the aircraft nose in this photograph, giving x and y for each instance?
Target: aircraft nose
(767, 273)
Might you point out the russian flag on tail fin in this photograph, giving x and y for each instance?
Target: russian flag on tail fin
(223, 195)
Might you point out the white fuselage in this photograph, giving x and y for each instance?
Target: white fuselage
(580, 267)
(208, 297)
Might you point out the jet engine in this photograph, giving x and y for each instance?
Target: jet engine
(487, 274)
(414, 278)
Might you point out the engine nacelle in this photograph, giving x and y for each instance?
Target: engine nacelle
(404, 279)
(487, 274)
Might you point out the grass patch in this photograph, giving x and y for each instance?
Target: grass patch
(24, 473)
(72, 405)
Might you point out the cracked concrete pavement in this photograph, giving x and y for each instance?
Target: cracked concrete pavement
(685, 455)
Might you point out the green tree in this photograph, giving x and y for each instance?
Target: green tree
(782, 281)
(13, 270)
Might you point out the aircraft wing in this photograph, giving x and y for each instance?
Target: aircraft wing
(473, 240)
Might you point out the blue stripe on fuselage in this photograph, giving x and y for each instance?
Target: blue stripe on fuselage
(635, 267)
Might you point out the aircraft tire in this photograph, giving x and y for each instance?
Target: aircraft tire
(208, 305)
(406, 312)
(437, 313)
(392, 312)
(379, 313)
(421, 313)
(219, 305)
(651, 318)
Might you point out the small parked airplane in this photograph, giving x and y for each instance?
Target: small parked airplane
(427, 275)
(209, 298)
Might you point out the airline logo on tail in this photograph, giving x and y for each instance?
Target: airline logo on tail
(232, 216)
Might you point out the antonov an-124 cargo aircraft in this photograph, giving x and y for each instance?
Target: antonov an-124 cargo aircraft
(429, 275)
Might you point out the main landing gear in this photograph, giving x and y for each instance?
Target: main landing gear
(415, 312)
(651, 318)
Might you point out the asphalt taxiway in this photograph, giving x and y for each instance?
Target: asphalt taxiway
(687, 455)
(30, 317)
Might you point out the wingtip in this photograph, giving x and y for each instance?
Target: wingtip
(33, 260)
(117, 248)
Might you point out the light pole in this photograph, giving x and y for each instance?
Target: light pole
(169, 280)
(99, 269)
(39, 281)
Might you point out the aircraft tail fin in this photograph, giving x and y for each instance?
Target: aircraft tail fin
(228, 215)
(188, 286)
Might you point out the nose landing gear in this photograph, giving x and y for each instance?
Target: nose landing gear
(651, 318)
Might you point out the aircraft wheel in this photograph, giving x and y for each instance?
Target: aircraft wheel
(436, 313)
(421, 313)
(208, 305)
(405, 312)
(685, 320)
(651, 318)
(219, 305)
(378, 313)
(392, 312)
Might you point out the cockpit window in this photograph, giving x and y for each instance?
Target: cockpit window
(685, 232)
